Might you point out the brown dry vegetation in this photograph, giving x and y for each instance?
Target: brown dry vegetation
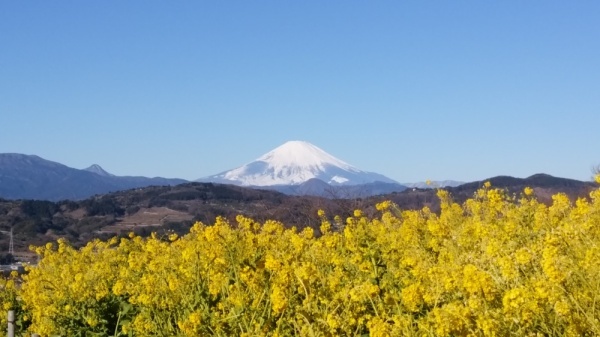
(166, 209)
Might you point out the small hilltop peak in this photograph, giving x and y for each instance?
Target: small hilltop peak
(97, 169)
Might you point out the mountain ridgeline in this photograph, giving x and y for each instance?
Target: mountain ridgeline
(294, 168)
(31, 177)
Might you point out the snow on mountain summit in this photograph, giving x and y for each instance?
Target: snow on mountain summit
(293, 163)
(301, 153)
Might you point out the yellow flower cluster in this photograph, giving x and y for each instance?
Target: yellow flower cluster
(496, 265)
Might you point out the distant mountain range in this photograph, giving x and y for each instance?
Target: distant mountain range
(294, 168)
(434, 184)
(31, 177)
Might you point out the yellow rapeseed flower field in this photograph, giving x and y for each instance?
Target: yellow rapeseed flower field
(496, 265)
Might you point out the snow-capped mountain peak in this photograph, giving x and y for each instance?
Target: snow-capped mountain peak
(301, 153)
(293, 163)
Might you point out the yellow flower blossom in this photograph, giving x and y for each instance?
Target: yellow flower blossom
(493, 265)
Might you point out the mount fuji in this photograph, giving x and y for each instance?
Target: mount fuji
(299, 167)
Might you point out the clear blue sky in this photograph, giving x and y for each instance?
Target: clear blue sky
(414, 90)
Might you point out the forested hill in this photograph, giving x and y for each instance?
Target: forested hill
(163, 209)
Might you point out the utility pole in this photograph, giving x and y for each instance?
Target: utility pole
(11, 245)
